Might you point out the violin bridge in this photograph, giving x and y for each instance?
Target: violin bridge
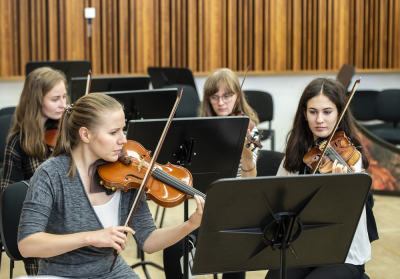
(140, 165)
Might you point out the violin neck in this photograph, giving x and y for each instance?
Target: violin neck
(334, 155)
(176, 183)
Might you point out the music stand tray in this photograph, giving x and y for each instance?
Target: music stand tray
(240, 221)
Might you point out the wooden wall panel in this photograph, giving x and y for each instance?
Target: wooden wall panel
(272, 35)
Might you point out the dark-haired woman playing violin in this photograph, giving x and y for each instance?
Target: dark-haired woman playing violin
(318, 111)
(220, 92)
(69, 220)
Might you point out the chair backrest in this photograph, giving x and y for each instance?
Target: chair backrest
(262, 103)
(388, 105)
(11, 201)
(345, 75)
(5, 125)
(363, 105)
(189, 103)
(7, 110)
(268, 162)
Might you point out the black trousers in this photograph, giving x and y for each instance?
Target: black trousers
(172, 266)
(342, 271)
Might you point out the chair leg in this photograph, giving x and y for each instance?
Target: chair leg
(272, 141)
(162, 217)
(11, 268)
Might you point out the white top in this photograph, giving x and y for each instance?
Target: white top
(109, 213)
(360, 248)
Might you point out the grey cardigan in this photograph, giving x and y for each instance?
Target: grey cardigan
(57, 204)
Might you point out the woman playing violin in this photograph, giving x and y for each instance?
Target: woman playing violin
(41, 104)
(318, 111)
(74, 228)
(220, 93)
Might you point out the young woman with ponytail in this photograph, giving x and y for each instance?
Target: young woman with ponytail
(68, 220)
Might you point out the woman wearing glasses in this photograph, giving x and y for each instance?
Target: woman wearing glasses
(220, 93)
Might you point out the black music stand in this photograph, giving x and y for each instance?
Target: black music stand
(210, 147)
(107, 84)
(243, 221)
(146, 104)
(162, 76)
(71, 68)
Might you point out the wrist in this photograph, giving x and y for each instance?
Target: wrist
(248, 169)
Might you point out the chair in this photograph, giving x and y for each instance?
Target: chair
(262, 103)
(11, 201)
(7, 110)
(387, 110)
(5, 124)
(268, 162)
(189, 103)
(345, 75)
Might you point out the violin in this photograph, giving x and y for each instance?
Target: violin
(256, 143)
(339, 148)
(168, 185)
(50, 135)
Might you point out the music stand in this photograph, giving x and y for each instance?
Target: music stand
(162, 76)
(242, 218)
(71, 68)
(146, 104)
(210, 147)
(107, 84)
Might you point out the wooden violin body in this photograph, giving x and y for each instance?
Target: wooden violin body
(164, 185)
(339, 148)
(50, 135)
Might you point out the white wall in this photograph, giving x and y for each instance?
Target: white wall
(285, 89)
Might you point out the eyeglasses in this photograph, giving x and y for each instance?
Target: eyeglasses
(225, 98)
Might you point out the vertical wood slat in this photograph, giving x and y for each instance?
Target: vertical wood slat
(129, 35)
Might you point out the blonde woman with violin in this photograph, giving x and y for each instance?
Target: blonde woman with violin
(318, 111)
(221, 92)
(69, 220)
(41, 104)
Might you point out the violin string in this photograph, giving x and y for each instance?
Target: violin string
(335, 155)
(176, 183)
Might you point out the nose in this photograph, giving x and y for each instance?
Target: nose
(122, 140)
(220, 101)
(320, 118)
(63, 103)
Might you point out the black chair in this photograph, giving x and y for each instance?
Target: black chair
(262, 103)
(11, 201)
(7, 110)
(189, 103)
(268, 162)
(388, 110)
(5, 125)
(345, 75)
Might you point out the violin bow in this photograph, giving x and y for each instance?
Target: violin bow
(241, 86)
(356, 83)
(89, 82)
(150, 168)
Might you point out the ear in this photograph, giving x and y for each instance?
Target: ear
(85, 135)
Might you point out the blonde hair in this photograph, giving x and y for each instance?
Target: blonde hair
(224, 78)
(88, 111)
(28, 114)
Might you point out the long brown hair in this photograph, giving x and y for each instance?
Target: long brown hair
(224, 78)
(28, 114)
(88, 111)
(300, 138)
